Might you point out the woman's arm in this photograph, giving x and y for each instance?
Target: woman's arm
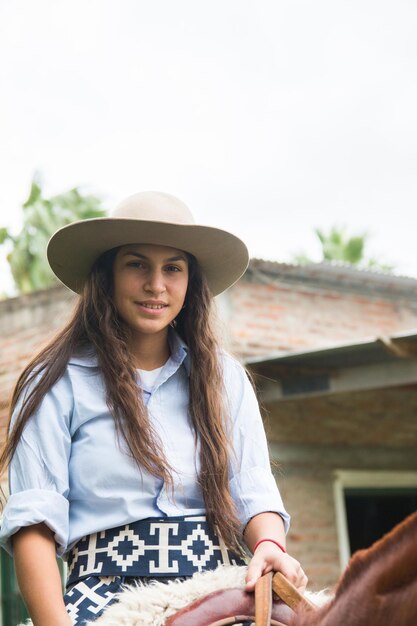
(38, 575)
(268, 556)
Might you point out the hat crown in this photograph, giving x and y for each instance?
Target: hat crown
(154, 206)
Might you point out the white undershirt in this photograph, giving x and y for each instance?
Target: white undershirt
(148, 377)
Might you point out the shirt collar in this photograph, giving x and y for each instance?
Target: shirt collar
(179, 350)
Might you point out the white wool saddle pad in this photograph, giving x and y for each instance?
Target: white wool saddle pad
(151, 604)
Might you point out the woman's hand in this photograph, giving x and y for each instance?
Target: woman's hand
(268, 557)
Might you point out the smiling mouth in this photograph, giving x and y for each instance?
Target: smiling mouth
(152, 306)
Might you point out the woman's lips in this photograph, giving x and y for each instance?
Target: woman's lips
(152, 307)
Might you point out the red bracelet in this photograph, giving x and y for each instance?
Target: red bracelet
(272, 541)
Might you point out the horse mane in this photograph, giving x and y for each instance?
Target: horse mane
(379, 585)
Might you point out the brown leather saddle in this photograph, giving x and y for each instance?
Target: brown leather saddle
(274, 603)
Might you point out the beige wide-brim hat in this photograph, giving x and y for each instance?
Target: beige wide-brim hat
(147, 218)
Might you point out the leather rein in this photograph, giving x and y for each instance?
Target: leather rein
(234, 606)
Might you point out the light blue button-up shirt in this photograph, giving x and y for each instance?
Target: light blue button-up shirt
(71, 472)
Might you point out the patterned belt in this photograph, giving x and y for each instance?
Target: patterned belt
(153, 547)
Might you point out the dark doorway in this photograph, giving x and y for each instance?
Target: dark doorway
(371, 513)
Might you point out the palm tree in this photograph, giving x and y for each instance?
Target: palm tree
(337, 245)
(41, 218)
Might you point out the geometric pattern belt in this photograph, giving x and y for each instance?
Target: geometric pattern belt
(153, 547)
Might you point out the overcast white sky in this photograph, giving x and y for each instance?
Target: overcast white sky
(267, 117)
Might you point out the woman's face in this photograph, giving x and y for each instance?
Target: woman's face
(150, 284)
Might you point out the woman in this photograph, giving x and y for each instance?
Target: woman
(136, 447)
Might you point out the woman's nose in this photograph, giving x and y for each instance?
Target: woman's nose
(155, 282)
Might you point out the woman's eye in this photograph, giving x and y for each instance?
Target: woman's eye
(137, 264)
(173, 268)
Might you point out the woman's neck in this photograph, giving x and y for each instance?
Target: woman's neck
(149, 351)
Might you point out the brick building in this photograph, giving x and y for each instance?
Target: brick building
(333, 351)
(334, 354)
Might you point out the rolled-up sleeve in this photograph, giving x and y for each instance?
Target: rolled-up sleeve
(252, 484)
(38, 471)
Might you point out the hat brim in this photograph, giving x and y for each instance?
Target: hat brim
(73, 249)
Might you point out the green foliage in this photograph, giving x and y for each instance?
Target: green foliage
(337, 245)
(41, 218)
(4, 235)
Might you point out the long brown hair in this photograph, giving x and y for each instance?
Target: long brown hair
(95, 323)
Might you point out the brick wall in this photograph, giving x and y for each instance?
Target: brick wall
(383, 417)
(307, 478)
(312, 539)
(26, 323)
(272, 311)
(313, 438)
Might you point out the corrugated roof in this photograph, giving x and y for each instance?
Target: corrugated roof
(366, 352)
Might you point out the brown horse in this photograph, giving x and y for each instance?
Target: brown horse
(379, 586)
